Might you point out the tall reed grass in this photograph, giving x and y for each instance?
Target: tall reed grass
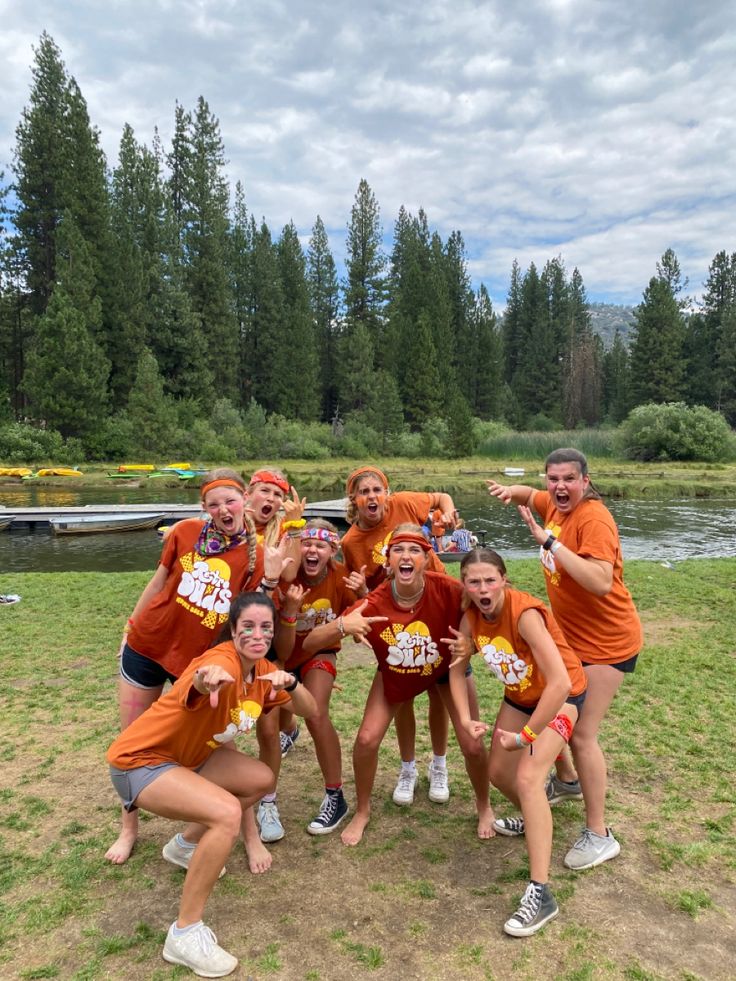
(536, 446)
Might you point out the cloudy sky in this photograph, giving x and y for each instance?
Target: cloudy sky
(601, 131)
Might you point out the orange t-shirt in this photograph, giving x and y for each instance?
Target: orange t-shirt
(509, 657)
(365, 547)
(320, 604)
(185, 617)
(408, 647)
(182, 727)
(600, 629)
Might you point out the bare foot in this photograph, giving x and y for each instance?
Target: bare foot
(486, 817)
(119, 852)
(353, 834)
(259, 857)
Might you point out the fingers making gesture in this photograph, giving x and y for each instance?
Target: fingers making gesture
(209, 679)
(359, 626)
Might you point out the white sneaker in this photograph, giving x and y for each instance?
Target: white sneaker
(439, 788)
(198, 950)
(269, 821)
(404, 792)
(174, 853)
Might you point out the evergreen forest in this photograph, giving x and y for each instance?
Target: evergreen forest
(144, 308)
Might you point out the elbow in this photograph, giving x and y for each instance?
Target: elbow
(603, 589)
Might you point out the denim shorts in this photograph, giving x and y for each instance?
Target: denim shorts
(576, 700)
(141, 672)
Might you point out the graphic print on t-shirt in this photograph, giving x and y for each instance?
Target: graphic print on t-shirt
(243, 716)
(411, 649)
(314, 615)
(503, 661)
(547, 558)
(204, 588)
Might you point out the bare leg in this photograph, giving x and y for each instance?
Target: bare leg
(603, 683)
(406, 731)
(259, 857)
(476, 765)
(132, 702)
(326, 740)
(269, 744)
(439, 722)
(215, 798)
(376, 720)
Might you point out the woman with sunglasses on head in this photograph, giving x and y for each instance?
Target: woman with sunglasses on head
(403, 621)
(179, 760)
(581, 557)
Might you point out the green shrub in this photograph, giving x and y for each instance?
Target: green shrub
(675, 431)
(23, 443)
(112, 440)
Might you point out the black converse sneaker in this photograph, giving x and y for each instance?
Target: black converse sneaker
(334, 808)
(537, 907)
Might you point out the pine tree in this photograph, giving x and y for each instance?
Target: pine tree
(420, 382)
(355, 376)
(488, 348)
(324, 302)
(384, 412)
(656, 351)
(270, 361)
(460, 441)
(297, 330)
(365, 286)
(582, 382)
(616, 383)
(199, 196)
(67, 374)
(149, 409)
(512, 333)
(240, 272)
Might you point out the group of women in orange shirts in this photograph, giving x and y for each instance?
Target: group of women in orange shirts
(278, 656)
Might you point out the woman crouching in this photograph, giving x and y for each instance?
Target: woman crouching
(178, 760)
(544, 687)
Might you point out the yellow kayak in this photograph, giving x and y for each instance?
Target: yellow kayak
(177, 466)
(15, 471)
(136, 467)
(59, 472)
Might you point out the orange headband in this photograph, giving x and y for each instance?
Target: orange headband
(409, 536)
(268, 477)
(361, 471)
(222, 482)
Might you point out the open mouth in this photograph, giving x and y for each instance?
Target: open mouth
(485, 603)
(562, 499)
(311, 564)
(227, 523)
(266, 511)
(405, 571)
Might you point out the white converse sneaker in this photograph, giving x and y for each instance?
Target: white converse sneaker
(404, 792)
(198, 950)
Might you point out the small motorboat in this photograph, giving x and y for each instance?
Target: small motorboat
(101, 523)
(514, 471)
(6, 521)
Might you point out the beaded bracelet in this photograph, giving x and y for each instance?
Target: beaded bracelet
(341, 626)
(288, 621)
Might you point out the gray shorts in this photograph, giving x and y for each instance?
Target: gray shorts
(129, 783)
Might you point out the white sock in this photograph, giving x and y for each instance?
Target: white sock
(440, 762)
(179, 931)
(268, 799)
(183, 843)
(409, 767)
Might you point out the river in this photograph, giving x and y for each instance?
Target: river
(659, 530)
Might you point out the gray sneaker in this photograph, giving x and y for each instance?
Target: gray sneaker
(591, 849)
(269, 822)
(511, 827)
(558, 790)
(538, 906)
(404, 791)
(199, 951)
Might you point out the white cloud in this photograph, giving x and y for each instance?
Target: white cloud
(604, 132)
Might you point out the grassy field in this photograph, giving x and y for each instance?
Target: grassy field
(421, 898)
(614, 478)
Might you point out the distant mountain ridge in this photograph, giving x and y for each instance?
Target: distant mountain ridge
(607, 318)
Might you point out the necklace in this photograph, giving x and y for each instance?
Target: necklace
(318, 579)
(407, 601)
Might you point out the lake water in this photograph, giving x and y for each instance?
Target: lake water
(659, 530)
